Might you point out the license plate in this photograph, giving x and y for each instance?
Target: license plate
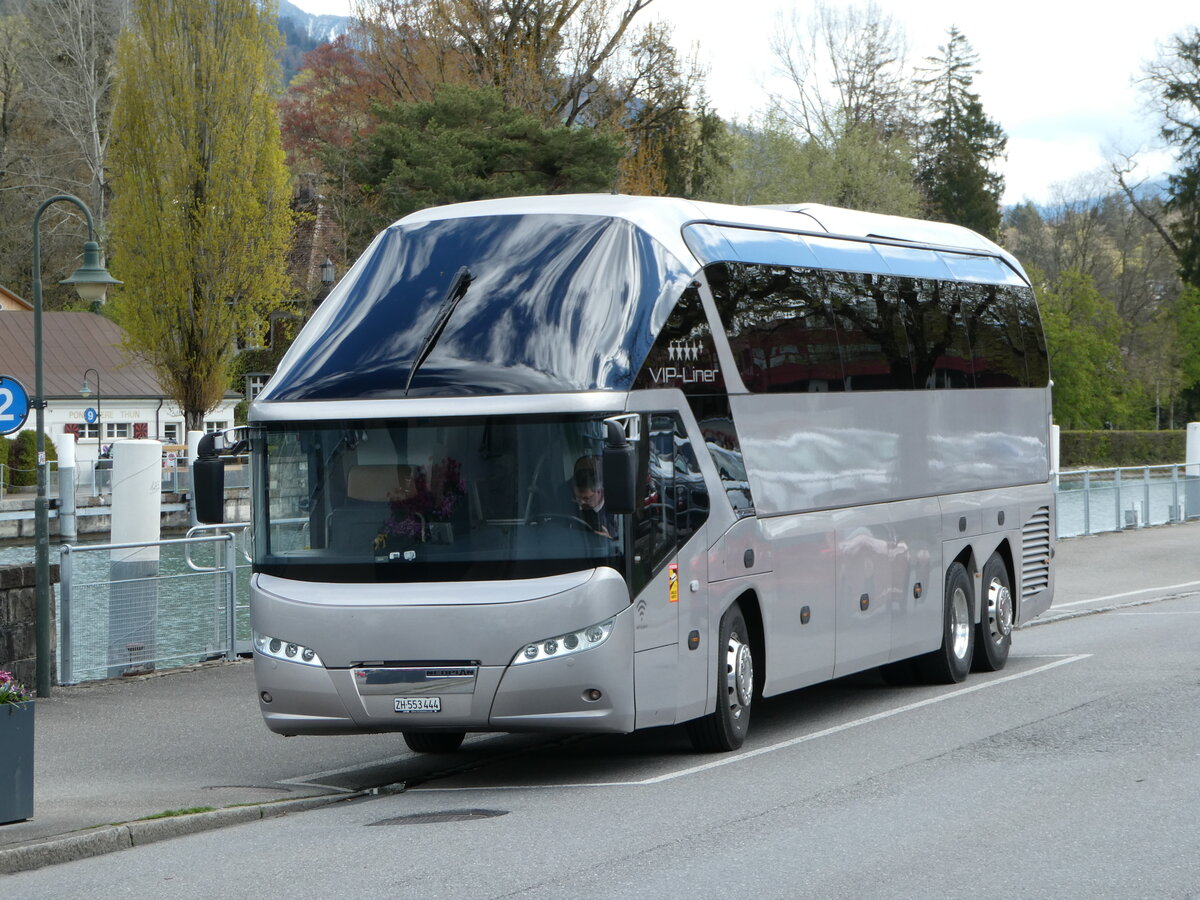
(418, 704)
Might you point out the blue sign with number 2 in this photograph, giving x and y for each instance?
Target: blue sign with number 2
(14, 404)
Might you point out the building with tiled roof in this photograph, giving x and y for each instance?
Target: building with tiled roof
(130, 401)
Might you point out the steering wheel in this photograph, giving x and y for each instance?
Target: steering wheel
(572, 521)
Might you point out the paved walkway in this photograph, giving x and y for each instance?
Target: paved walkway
(113, 752)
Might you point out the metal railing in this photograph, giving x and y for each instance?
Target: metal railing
(135, 607)
(1090, 501)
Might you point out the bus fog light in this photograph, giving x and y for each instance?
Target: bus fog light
(288, 651)
(592, 695)
(565, 644)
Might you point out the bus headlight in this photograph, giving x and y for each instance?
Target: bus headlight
(285, 650)
(564, 644)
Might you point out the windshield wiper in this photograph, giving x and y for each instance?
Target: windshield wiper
(458, 289)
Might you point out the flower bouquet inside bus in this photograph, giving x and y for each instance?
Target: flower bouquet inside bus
(421, 510)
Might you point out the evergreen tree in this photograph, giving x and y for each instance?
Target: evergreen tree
(960, 143)
(1176, 79)
(201, 222)
(466, 145)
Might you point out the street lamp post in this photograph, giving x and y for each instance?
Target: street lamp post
(86, 391)
(90, 280)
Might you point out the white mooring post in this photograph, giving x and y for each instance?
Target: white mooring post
(1191, 482)
(136, 519)
(67, 528)
(1055, 452)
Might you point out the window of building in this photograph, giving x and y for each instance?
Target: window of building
(210, 427)
(114, 431)
(170, 433)
(255, 382)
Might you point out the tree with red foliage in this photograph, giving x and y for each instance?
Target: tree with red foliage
(327, 104)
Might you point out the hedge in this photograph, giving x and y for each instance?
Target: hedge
(22, 458)
(1108, 449)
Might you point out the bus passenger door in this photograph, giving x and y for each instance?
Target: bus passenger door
(695, 658)
(656, 579)
(670, 568)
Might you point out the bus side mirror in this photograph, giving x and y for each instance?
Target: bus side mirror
(208, 482)
(620, 468)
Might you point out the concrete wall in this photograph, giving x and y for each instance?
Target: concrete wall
(18, 622)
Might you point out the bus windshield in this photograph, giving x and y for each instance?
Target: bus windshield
(425, 499)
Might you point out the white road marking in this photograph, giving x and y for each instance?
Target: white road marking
(1149, 590)
(781, 745)
(1156, 612)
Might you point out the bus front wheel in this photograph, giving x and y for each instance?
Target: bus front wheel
(951, 662)
(725, 728)
(434, 741)
(994, 634)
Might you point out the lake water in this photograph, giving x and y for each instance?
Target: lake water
(122, 618)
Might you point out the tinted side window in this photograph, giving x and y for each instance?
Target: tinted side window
(994, 330)
(779, 325)
(941, 353)
(715, 418)
(1037, 359)
(874, 342)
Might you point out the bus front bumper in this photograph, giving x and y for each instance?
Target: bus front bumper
(591, 691)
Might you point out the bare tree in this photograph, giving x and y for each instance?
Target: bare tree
(545, 56)
(846, 70)
(69, 79)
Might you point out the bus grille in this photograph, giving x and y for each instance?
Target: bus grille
(1035, 553)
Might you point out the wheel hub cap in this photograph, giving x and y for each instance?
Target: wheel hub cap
(1000, 608)
(960, 623)
(739, 667)
(745, 675)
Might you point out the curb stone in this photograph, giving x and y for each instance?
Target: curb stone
(110, 838)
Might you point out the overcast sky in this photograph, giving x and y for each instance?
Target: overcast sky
(1058, 76)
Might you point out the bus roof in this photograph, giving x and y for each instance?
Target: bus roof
(663, 218)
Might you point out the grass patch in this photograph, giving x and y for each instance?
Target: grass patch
(171, 813)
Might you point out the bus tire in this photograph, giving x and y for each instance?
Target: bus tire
(725, 728)
(951, 662)
(994, 634)
(434, 741)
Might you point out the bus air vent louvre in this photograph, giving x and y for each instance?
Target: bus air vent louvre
(1035, 553)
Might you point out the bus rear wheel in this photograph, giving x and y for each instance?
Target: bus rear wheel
(434, 741)
(725, 728)
(951, 662)
(994, 633)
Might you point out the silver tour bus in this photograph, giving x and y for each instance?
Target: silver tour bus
(604, 463)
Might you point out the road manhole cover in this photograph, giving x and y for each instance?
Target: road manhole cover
(449, 815)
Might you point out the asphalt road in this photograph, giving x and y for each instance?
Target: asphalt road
(1072, 773)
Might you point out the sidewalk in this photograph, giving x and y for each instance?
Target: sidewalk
(113, 752)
